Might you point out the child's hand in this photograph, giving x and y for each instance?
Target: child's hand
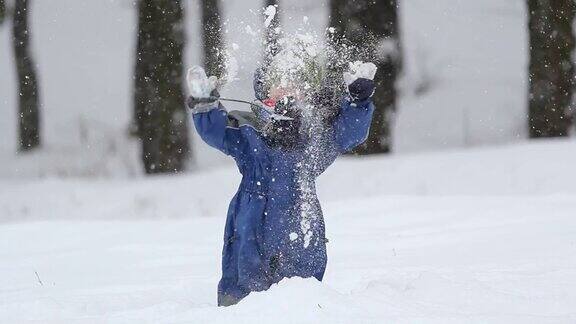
(360, 80)
(199, 84)
(195, 102)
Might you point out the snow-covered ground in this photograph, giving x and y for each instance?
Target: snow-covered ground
(478, 236)
(484, 235)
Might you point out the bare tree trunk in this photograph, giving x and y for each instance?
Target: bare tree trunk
(213, 42)
(2, 11)
(372, 25)
(28, 99)
(141, 82)
(158, 86)
(551, 69)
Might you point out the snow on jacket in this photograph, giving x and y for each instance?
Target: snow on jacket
(274, 227)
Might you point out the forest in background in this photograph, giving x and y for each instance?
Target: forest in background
(157, 91)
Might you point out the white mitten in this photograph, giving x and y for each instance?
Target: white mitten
(199, 85)
(359, 70)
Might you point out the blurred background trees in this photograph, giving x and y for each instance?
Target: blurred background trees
(2, 11)
(373, 27)
(212, 38)
(160, 115)
(551, 67)
(28, 96)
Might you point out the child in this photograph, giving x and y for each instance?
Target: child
(274, 227)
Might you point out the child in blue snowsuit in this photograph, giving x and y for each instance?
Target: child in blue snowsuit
(274, 227)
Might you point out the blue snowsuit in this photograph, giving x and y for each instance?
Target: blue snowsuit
(274, 228)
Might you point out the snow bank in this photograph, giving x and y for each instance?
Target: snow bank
(529, 169)
(449, 260)
(293, 301)
(484, 235)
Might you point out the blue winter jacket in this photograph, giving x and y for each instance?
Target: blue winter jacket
(274, 228)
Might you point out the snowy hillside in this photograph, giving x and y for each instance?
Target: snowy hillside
(478, 236)
(464, 78)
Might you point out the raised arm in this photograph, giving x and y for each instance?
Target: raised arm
(213, 125)
(210, 117)
(352, 125)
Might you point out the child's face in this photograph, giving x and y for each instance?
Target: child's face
(278, 92)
